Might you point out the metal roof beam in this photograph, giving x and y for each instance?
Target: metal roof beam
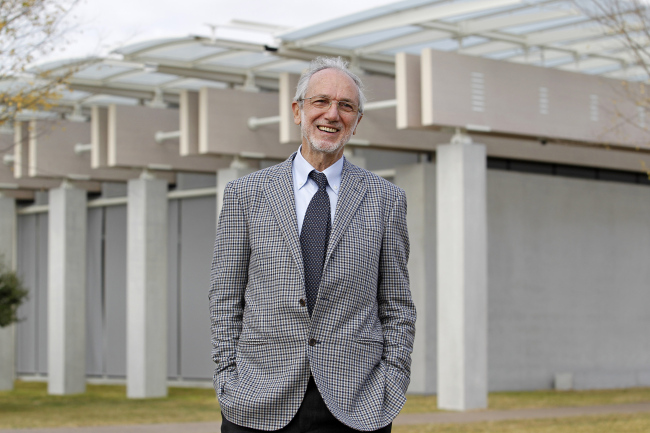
(271, 65)
(584, 64)
(90, 99)
(555, 52)
(377, 63)
(482, 25)
(76, 65)
(533, 56)
(204, 74)
(124, 91)
(215, 56)
(544, 40)
(489, 47)
(565, 34)
(232, 45)
(123, 74)
(404, 18)
(166, 44)
(497, 36)
(404, 41)
(308, 54)
(593, 46)
(224, 76)
(528, 5)
(175, 82)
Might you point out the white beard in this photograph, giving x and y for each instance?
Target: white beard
(322, 146)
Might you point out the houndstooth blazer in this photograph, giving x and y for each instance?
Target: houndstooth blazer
(358, 342)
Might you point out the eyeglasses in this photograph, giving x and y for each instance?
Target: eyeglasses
(324, 103)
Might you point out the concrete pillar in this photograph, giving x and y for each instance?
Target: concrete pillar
(146, 279)
(66, 322)
(236, 170)
(462, 275)
(419, 182)
(7, 256)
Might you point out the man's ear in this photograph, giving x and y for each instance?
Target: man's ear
(355, 126)
(295, 106)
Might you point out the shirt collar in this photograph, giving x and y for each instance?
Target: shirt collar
(303, 168)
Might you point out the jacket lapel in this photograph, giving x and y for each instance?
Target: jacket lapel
(281, 199)
(352, 192)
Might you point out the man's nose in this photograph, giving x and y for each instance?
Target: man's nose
(332, 113)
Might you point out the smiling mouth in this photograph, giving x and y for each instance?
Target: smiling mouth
(327, 128)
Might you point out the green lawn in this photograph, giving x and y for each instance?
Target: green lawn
(30, 406)
(540, 399)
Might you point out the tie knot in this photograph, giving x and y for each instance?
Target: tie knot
(319, 178)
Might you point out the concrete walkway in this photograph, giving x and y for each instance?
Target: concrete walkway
(404, 419)
(503, 415)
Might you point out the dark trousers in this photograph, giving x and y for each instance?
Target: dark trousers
(312, 417)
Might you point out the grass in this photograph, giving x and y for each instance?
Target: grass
(29, 406)
(633, 423)
(540, 399)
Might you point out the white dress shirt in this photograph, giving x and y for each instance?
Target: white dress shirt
(304, 188)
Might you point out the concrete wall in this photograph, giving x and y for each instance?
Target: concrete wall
(114, 330)
(31, 332)
(191, 239)
(419, 183)
(192, 231)
(569, 282)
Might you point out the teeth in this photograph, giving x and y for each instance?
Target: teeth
(326, 129)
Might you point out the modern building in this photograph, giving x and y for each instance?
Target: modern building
(512, 125)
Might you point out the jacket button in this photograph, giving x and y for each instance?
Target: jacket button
(302, 303)
(312, 342)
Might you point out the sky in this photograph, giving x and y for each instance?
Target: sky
(100, 26)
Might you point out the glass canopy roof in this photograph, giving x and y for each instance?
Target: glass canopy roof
(546, 33)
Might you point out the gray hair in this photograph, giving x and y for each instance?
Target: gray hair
(320, 63)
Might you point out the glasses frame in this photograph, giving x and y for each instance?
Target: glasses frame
(338, 104)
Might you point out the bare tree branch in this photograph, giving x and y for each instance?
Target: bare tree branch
(30, 28)
(629, 21)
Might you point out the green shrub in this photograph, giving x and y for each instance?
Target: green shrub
(12, 294)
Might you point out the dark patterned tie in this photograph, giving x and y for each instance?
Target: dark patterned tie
(314, 237)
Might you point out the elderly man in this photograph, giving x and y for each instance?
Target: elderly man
(312, 316)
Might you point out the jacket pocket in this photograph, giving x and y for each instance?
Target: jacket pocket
(370, 339)
(252, 341)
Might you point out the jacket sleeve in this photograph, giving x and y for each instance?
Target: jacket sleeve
(396, 308)
(228, 280)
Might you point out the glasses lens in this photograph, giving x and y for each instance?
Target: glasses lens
(320, 103)
(347, 107)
